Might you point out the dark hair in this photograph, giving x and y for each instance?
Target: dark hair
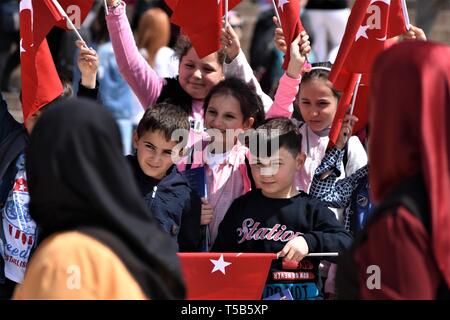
(250, 103)
(163, 117)
(274, 134)
(320, 74)
(184, 44)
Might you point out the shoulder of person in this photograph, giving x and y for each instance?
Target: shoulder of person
(308, 201)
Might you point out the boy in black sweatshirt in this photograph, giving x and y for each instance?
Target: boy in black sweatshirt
(278, 218)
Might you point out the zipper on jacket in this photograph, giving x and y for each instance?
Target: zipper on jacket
(154, 191)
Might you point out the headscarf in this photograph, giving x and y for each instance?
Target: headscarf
(79, 180)
(410, 131)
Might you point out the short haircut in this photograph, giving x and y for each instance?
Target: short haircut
(274, 134)
(163, 117)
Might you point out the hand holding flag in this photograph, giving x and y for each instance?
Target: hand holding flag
(230, 43)
(288, 14)
(280, 41)
(299, 50)
(88, 63)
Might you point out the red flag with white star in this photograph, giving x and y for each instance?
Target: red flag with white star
(40, 80)
(370, 29)
(201, 21)
(370, 25)
(77, 11)
(289, 11)
(225, 276)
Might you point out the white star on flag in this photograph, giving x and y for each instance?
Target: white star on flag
(281, 4)
(219, 265)
(362, 32)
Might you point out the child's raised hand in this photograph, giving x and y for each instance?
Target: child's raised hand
(278, 39)
(207, 212)
(230, 42)
(346, 130)
(300, 47)
(88, 62)
(414, 33)
(296, 249)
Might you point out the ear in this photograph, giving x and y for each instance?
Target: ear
(301, 157)
(249, 123)
(135, 139)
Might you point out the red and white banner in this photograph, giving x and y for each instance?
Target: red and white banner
(225, 276)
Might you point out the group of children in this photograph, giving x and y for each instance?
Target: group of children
(254, 199)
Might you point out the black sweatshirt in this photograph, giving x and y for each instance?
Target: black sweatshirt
(255, 223)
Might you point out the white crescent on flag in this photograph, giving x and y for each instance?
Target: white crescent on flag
(26, 5)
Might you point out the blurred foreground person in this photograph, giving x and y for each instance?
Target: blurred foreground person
(404, 253)
(98, 241)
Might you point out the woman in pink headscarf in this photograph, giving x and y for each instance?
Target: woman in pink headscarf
(404, 253)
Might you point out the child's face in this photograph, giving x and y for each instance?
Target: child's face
(318, 105)
(154, 153)
(197, 76)
(275, 174)
(224, 113)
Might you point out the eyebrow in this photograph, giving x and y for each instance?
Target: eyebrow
(151, 144)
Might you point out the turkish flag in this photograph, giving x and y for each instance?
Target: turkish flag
(201, 21)
(77, 11)
(370, 28)
(40, 80)
(370, 25)
(289, 12)
(225, 276)
(360, 110)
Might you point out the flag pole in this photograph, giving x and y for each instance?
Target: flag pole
(317, 254)
(406, 14)
(106, 7)
(226, 13)
(323, 254)
(355, 93)
(277, 14)
(63, 13)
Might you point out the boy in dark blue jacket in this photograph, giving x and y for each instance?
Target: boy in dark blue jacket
(167, 194)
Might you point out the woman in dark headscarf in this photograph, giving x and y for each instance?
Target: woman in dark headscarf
(405, 251)
(98, 242)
